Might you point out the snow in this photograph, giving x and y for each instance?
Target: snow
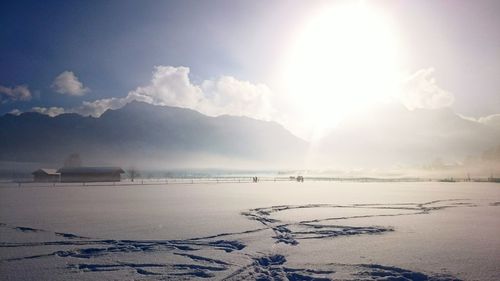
(265, 230)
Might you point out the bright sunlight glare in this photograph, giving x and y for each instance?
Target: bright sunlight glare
(344, 60)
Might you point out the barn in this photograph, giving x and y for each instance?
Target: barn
(90, 174)
(46, 175)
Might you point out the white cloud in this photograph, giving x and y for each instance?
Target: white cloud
(67, 83)
(95, 108)
(227, 95)
(15, 111)
(98, 107)
(491, 120)
(421, 91)
(51, 111)
(169, 86)
(224, 95)
(20, 92)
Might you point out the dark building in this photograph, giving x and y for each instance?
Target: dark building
(46, 175)
(90, 174)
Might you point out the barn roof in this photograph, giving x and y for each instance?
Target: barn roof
(46, 171)
(91, 170)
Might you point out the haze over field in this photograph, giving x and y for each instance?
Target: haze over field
(147, 136)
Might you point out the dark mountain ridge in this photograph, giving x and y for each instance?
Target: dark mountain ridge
(142, 133)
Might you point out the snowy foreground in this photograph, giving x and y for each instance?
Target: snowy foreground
(247, 231)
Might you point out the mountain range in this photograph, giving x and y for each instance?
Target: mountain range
(152, 136)
(148, 135)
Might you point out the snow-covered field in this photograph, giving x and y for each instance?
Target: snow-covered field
(246, 231)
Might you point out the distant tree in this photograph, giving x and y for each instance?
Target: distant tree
(73, 160)
(133, 174)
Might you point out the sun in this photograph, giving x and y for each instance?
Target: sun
(346, 58)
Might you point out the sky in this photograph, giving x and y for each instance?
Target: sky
(304, 64)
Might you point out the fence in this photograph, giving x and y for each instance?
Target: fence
(200, 180)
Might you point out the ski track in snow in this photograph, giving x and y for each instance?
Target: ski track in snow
(189, 259)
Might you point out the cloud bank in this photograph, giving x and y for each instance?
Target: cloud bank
(171, 86)
(67, 83)
(16, 93)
